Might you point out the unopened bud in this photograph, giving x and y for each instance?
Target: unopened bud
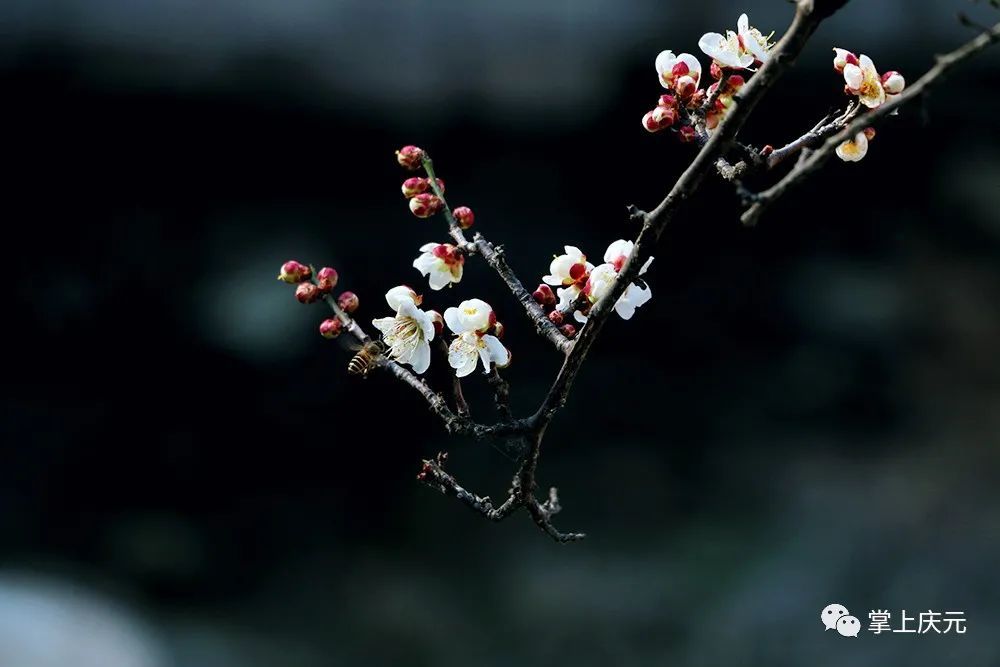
(685, 85)
(842, 58)
(649, 124)
(415, 186)
(306, 293)
(293, 272)
(869, 133)
(697, 99)
(893, 82)
(568, 330)
(330, 328)
(425, 205)
(735, 82)
(410, 157)
(715, 70)
(464, 216)
(680, 69)
(438, 321)
(667, 101)
(348, 302)
(326, 278)
(544, 295)
(687, 134)
(556, 317)
(498, 329)
(766, 150)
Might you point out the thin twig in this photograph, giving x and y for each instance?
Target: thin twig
(945, 63)
(501, 393)
(461, 406)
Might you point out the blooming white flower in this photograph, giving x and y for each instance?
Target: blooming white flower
(471, 315)
(603, 277)
(568, 269)
(737, 50)
(409, 332)
(682, 71)
(863, 80)
(442, 263)
(853, 150)
(470, 321)
(753, 40)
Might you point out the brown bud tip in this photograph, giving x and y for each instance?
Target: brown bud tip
(425, 205)
(556, 317)
(293, 272)
(306, 293)
(568, 330)
(326, 278)
(330, 328)
(410, 157)
(464, 216)
(348, 301)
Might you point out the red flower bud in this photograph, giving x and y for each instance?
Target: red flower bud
(715, 70)
(326, 279)
(735, 82)
(464, 216)
(293, 272)
(556, 317)
(680, 69)
(330, 328)
(667, 101)
(410, 157)
(425, 205)
(415, 186)
(306, 293)
(687, 134)
(544, 295)
(438, 321)
(568, 330)
(766, 150)
(869, 133)
(348, 301)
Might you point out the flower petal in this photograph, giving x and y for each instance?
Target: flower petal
(420, 360)
(498, 352)
(452, 319)
(853, 76)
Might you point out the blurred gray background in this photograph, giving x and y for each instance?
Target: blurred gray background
(806, 413)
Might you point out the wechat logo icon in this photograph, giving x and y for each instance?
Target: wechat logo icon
(836, 617)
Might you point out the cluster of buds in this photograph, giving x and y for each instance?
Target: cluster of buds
(546, 298)
(425, 199)
(681, 75)
(863, 80)
(310, 289)
(724, 99)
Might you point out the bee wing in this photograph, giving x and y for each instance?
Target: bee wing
(349, 343)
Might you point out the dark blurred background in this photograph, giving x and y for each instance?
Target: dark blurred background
(807, 412)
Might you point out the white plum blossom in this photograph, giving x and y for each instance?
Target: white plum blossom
(854, 150)
(864, 81)
(603, 277)
(681, 72)
(409, 332)
(893, 83)
(568, 273)
(470, 321)
(442, 263)
(737, 50)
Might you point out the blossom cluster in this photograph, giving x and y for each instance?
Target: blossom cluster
(580, 285)
(862, 80)
(691, 110)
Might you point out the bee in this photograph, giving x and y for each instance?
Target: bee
(364, 361)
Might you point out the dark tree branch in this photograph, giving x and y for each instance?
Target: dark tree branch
(501, 393)
(945, 63)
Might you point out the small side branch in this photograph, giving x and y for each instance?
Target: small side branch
(501, 393)
(461, 406)
(806, 167)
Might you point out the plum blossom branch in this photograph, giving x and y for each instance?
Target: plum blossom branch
(943, 66)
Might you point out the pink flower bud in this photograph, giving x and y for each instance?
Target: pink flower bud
(438, 321)
(680, 69)
(348, 302)
(440, 185)
(425, 205)
(649, 124)
(293, 272)
(544, 295)
(568, 330)
(326, 278)
(667, 101)
(735, 82)
(664, 116)
(306, 293)
(415, 186)
(842, 58)
(893, 82)
(766, 150)
(464, 216)
(869, 133)
(498, 329)
(715, 70)
(685, 85)
(687, 134)
(556, 317)
(410, 157)
(330, 328)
